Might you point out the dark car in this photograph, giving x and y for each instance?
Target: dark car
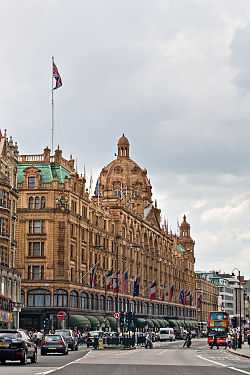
(69, 337)
(16, 345)
(54, 344)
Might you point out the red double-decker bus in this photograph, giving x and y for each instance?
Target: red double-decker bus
(218, 324)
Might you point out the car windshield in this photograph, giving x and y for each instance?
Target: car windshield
(13, 335)
(63, 333)
(52, 338)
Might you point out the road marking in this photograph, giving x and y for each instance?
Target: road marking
(58, 368)
(210, 360)
(239, 370)
(222, 364)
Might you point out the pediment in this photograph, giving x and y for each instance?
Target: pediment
(151, 217)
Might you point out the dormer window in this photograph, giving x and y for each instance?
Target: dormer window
(31, 182)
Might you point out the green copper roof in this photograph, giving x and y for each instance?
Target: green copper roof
(180, 249)
(48, 171)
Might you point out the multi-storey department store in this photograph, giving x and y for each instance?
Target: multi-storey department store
(92, 255)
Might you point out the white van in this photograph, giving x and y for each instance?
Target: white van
(167, 334)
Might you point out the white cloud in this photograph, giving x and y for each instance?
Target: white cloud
(172, 75)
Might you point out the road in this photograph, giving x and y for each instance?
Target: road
(170, 359)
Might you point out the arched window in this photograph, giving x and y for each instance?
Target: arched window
(74, 299)
(31, 203)
(31, 182)
(39, 298)
(43, 202)
(102, 303)
(37, 203)
(84, 301)
(22, 297)
(60, 298)
(110, 304)
(92, 302)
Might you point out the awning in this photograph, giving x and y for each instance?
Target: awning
(165, 322)
(149, 323)
(162, 323)
(93, 321)
(112, 322)
(79, 321)
(140, 323)
(173, 323)
(103, 322)
(156, 323)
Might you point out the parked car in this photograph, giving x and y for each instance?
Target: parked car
(69, 337)
(167, 334)
(54, 344)
(16, 345)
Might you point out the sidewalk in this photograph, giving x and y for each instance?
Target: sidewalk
(243, 352)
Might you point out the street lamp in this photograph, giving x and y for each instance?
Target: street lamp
(244, 305)
(240, 335)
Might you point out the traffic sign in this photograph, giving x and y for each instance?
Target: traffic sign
(61, 315)
(116, 315)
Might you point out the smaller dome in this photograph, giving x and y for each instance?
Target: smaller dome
(123, 141)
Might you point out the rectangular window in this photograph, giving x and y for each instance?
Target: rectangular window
(36, 249)
(36, 226)
(35, 272)
(31, 182)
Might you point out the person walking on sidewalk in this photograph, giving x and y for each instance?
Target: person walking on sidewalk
(248, 340)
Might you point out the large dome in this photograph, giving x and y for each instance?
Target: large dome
(124, 179)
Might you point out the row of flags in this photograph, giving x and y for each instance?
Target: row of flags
(119, 282)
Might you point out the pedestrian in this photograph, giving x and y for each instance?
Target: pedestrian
(96, 342)
(248, 340)
(88, 340)
(229, 341)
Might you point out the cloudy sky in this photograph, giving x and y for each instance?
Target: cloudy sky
(173, 75)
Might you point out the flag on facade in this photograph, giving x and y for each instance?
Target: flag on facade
(125, 282)
(152, 290)
(171, 293)
(136, 287)
(97, 189)
(187, 297)
(56, 77)
(108, 280)
(116, 282)
(93, 276)
(182, 297)
(199, 301)
(191, 299)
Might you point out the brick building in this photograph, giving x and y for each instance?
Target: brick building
(91, 256)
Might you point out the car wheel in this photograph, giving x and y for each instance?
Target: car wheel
(76, 348)
(24, 359)
(43, 353)
(3, 361)
(34, 358)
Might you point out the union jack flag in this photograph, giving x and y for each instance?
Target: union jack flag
(57, 77)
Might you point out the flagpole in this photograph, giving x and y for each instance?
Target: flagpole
(52, 110)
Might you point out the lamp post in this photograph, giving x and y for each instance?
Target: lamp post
(240, 335)
(244, 305)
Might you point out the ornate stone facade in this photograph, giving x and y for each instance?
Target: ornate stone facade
(10, 282)
(94, 255)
